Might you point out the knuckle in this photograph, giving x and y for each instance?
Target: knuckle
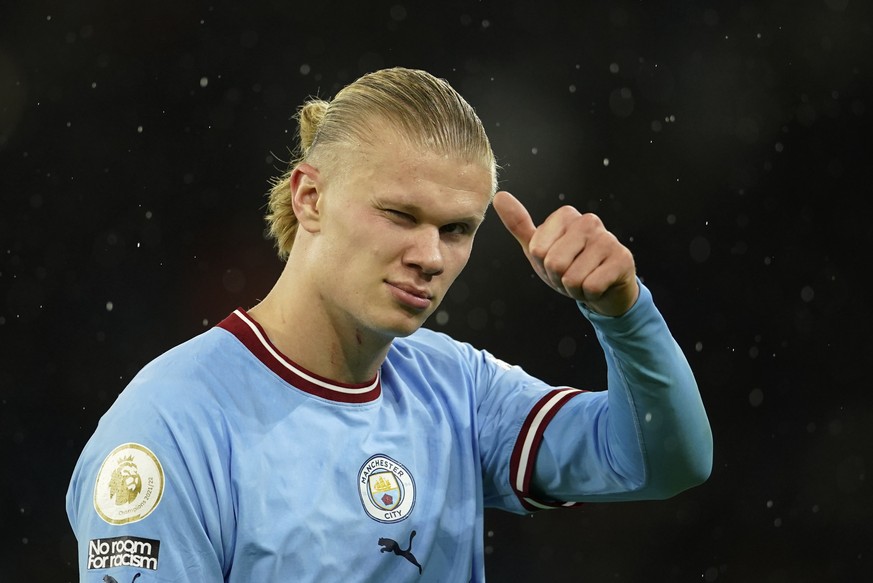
(594, 288)
(552, 264)
(591, 220)
(537, 249)
(568, 282)
(568, 211)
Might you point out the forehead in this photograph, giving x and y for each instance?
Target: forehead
(388, 164)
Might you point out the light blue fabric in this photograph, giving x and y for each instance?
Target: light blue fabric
(265, 481)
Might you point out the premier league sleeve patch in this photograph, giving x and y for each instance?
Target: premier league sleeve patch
(387, 489)
(129, 485)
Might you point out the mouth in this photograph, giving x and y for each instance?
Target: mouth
(410, 295)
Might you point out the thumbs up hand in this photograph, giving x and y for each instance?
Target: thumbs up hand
(574, 254)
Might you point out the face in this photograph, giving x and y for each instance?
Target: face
(394, 231)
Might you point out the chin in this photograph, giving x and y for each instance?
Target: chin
(403, 327)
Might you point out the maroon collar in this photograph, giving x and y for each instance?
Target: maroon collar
(253, 337)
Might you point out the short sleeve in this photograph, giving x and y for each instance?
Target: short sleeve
(144, 497)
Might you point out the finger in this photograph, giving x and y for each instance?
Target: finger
(584, 272)
(609, 288)
(558, 242)
(561, 256)
(564, 221)
(515, 218)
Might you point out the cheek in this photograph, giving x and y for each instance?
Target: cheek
(457, 260)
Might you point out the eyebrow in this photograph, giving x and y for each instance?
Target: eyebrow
(416, 210)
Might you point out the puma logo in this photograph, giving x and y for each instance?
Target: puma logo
(391, 546)
(111, 579)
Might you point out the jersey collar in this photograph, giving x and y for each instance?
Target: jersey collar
(253, 337)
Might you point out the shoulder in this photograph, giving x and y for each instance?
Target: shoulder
(197, 364)
(185, 384)
(429, 349)
(430, 345)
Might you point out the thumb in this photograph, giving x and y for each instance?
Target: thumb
(515, 218)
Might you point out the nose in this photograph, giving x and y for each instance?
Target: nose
(425, 251)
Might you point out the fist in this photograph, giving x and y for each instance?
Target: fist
(575, 255)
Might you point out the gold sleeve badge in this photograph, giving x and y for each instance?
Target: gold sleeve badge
(129, 485)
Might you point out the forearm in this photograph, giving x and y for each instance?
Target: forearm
(647, 436)
(654, 402)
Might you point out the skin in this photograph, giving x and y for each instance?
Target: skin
(379, 243)
(382, 239)
(575, 255)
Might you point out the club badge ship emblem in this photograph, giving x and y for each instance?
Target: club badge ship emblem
(387, 489)
(129, 485)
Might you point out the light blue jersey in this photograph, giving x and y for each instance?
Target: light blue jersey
(223, 460)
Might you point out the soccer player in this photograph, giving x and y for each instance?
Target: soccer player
(324, 435)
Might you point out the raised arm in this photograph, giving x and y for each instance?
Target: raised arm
(647, 436)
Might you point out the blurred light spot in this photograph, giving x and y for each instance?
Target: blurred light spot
(442, 317)
(756, 397)
(109, 306)
(567, 347)
(807, 293)
(204, 81)
(398, 12)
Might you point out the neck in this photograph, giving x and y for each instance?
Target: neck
(323, 343)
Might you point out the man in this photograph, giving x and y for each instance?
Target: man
(323, 435)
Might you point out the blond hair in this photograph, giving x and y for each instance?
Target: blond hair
(426, 110)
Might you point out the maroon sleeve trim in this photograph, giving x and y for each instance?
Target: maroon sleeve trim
(524, 454)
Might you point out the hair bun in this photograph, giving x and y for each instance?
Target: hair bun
(310, 116)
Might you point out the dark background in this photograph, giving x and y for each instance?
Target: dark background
(725, 143)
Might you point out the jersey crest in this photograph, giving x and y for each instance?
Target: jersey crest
(387, 489)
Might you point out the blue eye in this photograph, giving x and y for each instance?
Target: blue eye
(455, 229)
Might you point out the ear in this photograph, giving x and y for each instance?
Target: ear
(306, 185)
